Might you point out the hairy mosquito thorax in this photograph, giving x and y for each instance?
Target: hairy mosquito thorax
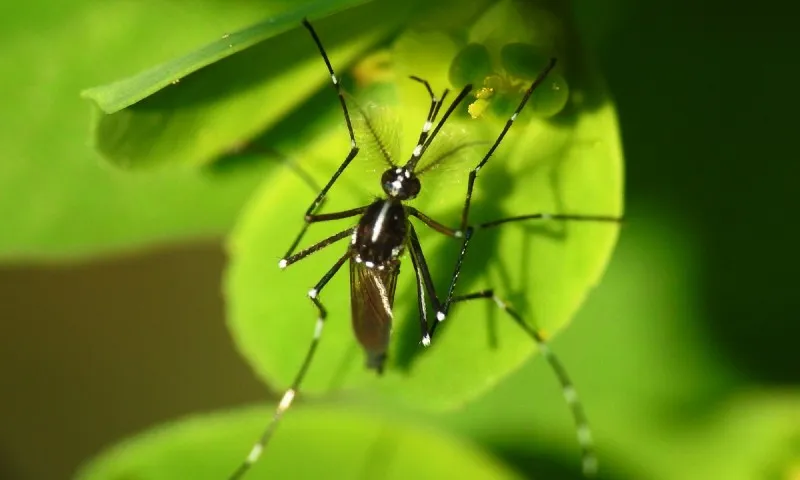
(400, 184)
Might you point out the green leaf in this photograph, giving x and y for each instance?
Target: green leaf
(314, 443)
(571, 163)
(56, 200)
(189, 110)
(115, 96)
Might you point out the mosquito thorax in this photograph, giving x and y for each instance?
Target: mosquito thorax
(400, 183)
(380, 235)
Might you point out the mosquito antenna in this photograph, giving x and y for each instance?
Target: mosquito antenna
(421, 147)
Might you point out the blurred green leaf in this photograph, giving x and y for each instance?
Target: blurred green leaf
(570, 164)
(190, 120)
(56, 200)
(660, 403)
(314, 443)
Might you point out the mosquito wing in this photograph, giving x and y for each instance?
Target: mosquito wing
(371, 300)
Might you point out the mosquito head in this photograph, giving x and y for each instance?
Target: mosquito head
(400, 183)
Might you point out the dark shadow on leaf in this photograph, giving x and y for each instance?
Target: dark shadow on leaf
(495, 182)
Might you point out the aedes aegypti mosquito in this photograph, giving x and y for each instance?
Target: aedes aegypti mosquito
(383, 233)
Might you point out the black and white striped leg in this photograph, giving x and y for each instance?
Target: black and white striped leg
(436, 104)
(474, 173)
(433, 223)
(469, 231)
(288, 260)
(584, 433)
(353, 146)
(441, 314)
(334, 80)
(424, 284)
(315, 248)
(425, 337)
(288, 396)
(425, 138)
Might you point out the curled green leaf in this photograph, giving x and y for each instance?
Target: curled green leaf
(123, 93)
(192, 109)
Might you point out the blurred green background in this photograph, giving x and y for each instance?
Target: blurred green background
(686, 356)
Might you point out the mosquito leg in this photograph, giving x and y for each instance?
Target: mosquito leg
(468, 230)
(588, 458)
(433, 223)
(315, 248)
(436, 104)
(336, 215)
(474, 173)
(334, 79)
(421, 305)
(441, 315)
(551, 216)
(353, 146)
(427, 139)
(288, 396)
(428, 88)
(424, 282)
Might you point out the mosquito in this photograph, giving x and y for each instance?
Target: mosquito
(383, 234)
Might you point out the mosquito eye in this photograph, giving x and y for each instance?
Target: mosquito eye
(414, 187)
